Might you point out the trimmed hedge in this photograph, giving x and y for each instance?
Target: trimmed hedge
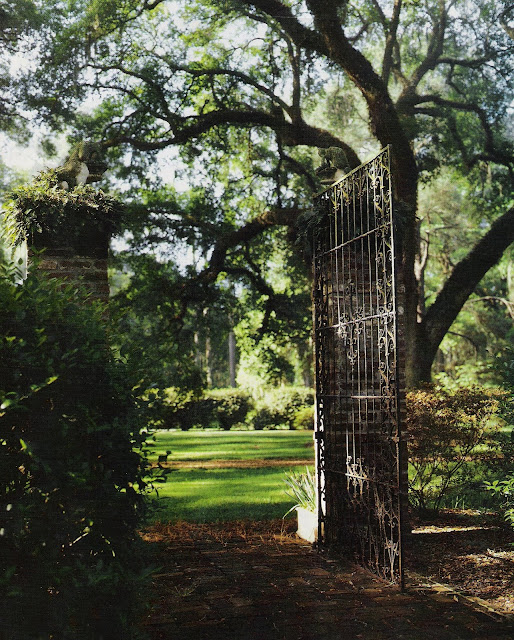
(229, 407)
(281, 408)
(218, 408)
(284, 407)
(70, 561)
(184, 410)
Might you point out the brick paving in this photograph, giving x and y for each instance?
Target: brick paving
(259, 582)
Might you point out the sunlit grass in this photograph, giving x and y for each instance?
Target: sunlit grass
(224, 494)
(233, 445)
(200, 495)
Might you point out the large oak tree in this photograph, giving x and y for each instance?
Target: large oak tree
(236, 86)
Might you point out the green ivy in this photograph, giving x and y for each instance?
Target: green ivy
(44, 207)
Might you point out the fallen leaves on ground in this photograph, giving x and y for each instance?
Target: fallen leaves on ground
(468, 551)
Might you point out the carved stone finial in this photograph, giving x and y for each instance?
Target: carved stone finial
(84, 165)
(334, 165)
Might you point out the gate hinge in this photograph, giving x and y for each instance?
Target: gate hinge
(319, 435)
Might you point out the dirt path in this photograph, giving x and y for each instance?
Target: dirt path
(257, 581)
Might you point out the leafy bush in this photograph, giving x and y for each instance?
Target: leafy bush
(264, 418)
(185, 409)
(70, 563)
(304, 419)
(447, 430)
(279, 408)
(503, 490)
(229, 406)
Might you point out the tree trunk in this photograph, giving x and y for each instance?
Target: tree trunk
(232, 358)
(208, 367)
(305, 356)
(463, 280)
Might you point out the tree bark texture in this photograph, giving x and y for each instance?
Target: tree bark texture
(391, 123)
(460, 285)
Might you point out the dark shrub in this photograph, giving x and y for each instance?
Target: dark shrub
(230, 406)
(263, 418)
(186, 410)
(218, 408)
(70, 560)
(446, 431)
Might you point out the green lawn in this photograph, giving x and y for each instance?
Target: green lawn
(233, 445)
(200, 495)
(224, 494)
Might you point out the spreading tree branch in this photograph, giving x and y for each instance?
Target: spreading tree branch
(243, 235)
(189, 128)
(508, 303)
(464, 279)
(303, 36)
(465, 337)
(435, 48)
(505, 16)
(218, 258)
(489, 145)
(391, 42)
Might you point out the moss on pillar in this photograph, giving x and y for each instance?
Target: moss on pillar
(70, 228)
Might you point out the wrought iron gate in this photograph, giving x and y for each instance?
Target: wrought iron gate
(360, 452)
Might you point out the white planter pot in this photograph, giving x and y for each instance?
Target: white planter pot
(307, 524)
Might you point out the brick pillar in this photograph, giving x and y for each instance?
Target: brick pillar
(84, 265)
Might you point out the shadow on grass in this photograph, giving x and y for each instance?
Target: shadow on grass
(176, 510)
(232, 445)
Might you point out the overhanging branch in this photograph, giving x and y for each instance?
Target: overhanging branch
(292, 134)
(231, 240)
(465, 278)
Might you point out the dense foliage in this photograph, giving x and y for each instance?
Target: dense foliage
(70, 473)
(210, 112)
(219, 408)
(448, 432)
(280, 408)
(76, 215)
(503, 490)
(284, 407)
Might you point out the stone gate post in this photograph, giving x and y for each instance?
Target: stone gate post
(66, 223)
(77, 264)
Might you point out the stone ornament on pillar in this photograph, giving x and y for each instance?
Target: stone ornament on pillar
(83, 166)
(67, 221)
(334, 165)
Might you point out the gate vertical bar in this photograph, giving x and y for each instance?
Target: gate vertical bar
(360, 451)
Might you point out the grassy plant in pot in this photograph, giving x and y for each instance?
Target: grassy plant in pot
(302, 488)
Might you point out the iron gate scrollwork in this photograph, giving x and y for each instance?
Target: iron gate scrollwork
(360, 449)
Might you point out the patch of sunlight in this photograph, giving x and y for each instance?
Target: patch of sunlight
(434, 529)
